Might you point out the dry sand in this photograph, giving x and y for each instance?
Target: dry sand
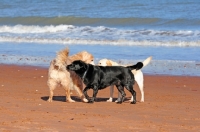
(171, 104)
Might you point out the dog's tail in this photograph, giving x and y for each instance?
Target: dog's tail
(137, 66)
(63, 55)
(147, 61)
(61, 58)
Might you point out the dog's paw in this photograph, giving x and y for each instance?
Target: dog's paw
(71, 101)
(142, 99)
(130, 100)
(109, 100)
(119, 102)
(49, 100)
(85, 100)
(90, 101)
(133, 102)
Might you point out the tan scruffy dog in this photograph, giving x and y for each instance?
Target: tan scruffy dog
(59, 76)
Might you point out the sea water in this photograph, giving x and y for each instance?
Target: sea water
(31, 32)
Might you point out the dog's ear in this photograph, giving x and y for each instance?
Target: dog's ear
(55, 65)
(108, 63)
(83, 64)
(77, 66)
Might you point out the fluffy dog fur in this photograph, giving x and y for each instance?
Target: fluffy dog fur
(137, 74)
(59, 76)
(99, 77)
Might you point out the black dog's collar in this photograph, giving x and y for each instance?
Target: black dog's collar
(85, 73)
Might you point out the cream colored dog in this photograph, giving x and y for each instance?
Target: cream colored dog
(59, 76)
(137, 74)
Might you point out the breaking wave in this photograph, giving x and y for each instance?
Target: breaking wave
(70, 34)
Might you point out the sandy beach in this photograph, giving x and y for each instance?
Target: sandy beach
(127, 32)
(171, 104)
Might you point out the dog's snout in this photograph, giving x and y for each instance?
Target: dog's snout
(70, 67)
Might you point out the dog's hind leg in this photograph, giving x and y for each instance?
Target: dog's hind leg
(141, 87)
(68, 95)
(119, 97)
(139, 78)
(85, 92)
(52, 85)
(121, 90)
(111, 93)
(66, 85)
(130, 89)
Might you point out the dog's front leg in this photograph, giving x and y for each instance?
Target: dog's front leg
(85, 92)
(121, 90)
(111, 93)
(95, 91)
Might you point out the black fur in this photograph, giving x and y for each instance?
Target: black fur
(100, 77)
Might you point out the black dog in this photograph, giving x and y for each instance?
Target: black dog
(100, 77)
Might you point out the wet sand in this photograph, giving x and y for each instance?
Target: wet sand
(171, 104)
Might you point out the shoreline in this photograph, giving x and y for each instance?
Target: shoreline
(171, 103)
(166, 60)
(145, 74)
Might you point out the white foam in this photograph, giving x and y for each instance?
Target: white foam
(21, 29)
(69, 34)
(94, 42)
